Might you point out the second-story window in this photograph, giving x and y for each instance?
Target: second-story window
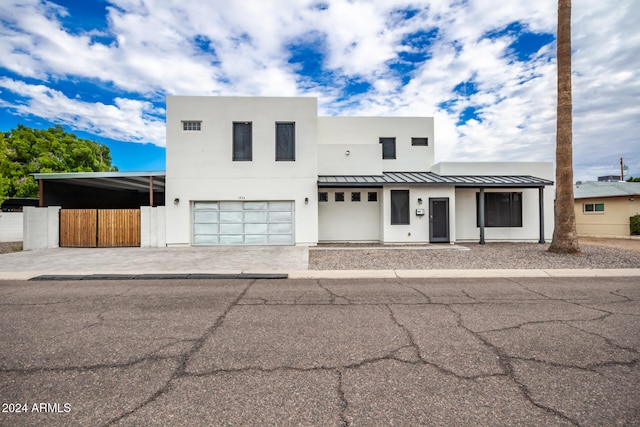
(285, 141)
(388, 148)
(242, 141)
(191, 125)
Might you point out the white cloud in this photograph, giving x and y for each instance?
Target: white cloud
(126, 120)
(156, 50)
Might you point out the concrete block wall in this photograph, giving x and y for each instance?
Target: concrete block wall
(11, 227)
(41, 227)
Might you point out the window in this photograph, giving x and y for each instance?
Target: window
(500, 209)
(399, 207)
(420, 141)
(593, 207)
(285, 141)
(355, 197)
(372, 196)
(388, 148)
(323, 197)
(339, 197)
(191, 125)
(242, 141)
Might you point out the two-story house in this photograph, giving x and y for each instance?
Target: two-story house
(261, 170)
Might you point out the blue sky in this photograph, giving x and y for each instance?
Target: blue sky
(102, 69)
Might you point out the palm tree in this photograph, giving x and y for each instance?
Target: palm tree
(565, 237)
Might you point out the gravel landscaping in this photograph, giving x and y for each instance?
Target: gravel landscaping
(489, 256)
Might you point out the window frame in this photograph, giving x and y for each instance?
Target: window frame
(356, 196)
(186, 125)
(418, 141)
(398, 216)
(595, 210)
(247, 153)
(338, 196)
(490, 199)
(372, 196)
(388, 153)
(323, 196)
(292, 156)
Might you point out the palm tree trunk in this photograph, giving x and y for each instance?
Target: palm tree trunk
(565, 237)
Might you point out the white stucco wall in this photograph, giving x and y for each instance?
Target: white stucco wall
(350, 159)
(152, 227)
(417, 231)
(352, 131)
(200, 165)
(41, 227)
(11, 227)
(349, 221)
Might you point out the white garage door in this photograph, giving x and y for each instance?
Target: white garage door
(243, 223)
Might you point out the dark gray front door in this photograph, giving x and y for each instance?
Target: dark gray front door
(439, 220)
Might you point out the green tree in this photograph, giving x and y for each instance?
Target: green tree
(565, 237)
(24, 151)
(632, 179)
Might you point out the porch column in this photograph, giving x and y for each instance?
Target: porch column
(481, 208)
(541, 208)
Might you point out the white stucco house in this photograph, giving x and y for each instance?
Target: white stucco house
(267, 170)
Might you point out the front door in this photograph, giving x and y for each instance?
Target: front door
(439, 220)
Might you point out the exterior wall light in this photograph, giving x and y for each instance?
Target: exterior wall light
(306, 200)
(419, 201)
(176, 201)
(347, 152)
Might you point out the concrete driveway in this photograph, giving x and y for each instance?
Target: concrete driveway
(476, 352)
(219, 259)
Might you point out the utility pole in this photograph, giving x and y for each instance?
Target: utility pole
(621, 170)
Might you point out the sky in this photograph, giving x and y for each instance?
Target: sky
(485, 70)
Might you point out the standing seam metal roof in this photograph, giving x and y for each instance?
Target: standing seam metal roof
(430, 178)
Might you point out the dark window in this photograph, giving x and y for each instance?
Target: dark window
(339, 196)
(191, 125)
(419, 141)
(285, 141)
(399, 207)
(593, 207)
(355, 197)
(372, 196)
(242, 141)
(500, 209)
(388, 148)
(323, 197)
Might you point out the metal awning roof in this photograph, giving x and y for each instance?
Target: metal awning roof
(430, 178)
(137, 181)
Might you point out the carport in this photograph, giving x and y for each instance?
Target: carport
(103, 209)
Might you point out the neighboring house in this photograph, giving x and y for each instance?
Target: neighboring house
(260, 170)
(603, 208)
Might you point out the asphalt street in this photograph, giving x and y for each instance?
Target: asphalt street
(437, 352)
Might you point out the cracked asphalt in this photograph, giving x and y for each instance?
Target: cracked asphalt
(467, 352)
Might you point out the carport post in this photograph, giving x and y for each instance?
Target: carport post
(40, 193)
(541, 208)
(151, 191)
(481, 209)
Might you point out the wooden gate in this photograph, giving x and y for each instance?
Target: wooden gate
(103, 228)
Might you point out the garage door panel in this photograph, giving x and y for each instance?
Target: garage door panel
(205, 240)
(260, 239)
(237, 223)
(231, 239)
(256, 228)
(255, 217)
(206, 217)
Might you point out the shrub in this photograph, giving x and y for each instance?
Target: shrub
(634, 223)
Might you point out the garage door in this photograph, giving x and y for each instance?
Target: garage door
(243, 223)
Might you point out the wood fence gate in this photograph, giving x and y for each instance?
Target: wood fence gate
(102, 228)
